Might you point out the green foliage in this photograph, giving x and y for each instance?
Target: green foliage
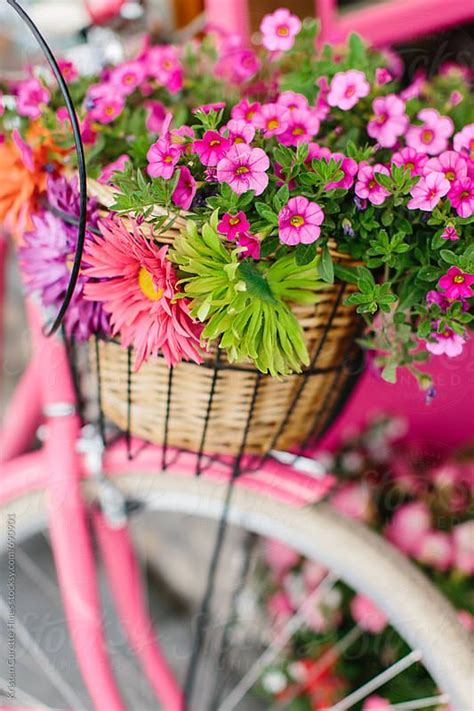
(246, 305)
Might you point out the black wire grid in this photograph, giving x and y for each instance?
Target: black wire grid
(344, 377)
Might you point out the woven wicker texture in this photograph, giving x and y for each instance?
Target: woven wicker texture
(225, 409)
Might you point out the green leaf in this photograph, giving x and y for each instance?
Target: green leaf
(305, 253)
(448, 256)
(256, 283)
(357, 57)
(389, 373)
(326, 267)
(266, 212)
(345, 273)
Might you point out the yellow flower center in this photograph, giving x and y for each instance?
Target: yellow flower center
(297, 221)
(109, 110)
(242, 170)
(283, 31)
(450, 175)
(147, 287)
(427, 136)
(458, 279)
(234, 221)
(239, 139)
(215, 142)
(298, 131)
(168, 159)
(272, 124)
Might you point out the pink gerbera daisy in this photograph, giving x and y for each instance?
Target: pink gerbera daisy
(279, 30)
(211, 147)
(244, 168)
(299, 221)
(138, 289)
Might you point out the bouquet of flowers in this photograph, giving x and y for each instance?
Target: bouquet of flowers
(420, 502)
(267, 163)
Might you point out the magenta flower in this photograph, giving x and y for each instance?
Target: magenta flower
(163, 64)
(463, 141)
(303, 126)
(68, 70)
(322, 108)
(231, 225)
(462, 197)
(250, 243)
(291, 100)
(26, 152)
(31, 97)
(156, 116)
(382, 76)
(299, 221)
(450, 233)
(245, 111)
(244, 168)
(367, 187)
(347, 88)
(456, 284)
(162, 158)
(127, 77)
(432, 136)
(240, 131)
(105, 104)
(451, 164)
(117, 166)
(238, 65)
(446, 343)
(185, 189)
(412, 160)
(414, 89)
(367, 615)
(207, 108)
(427, 193)
(279, 30)
(390, 120)
(211, 147)
(349, 167)
(272, 119)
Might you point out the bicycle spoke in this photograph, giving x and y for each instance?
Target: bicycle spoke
(290, 628)
(425, 703)
(377, 681)
(30, 645)
(37, 576)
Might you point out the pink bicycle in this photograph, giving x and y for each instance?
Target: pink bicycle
(84, 482)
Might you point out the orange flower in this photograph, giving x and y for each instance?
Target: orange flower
(22, 181)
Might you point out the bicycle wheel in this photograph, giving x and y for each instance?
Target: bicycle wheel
(351, 553)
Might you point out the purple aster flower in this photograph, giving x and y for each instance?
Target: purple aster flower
(47, 255)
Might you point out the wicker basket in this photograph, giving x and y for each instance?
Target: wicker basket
(225, 408)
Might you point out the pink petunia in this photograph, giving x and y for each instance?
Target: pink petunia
(353, 500)
(322, 108)
(156, 112)
(462, 196)
(432, 136)
(185, 189)
(452, 165)
(138, 288)
(303, 125)
(162, 158)
(250, 243)
(164, 65)
(32, 96)
(244, 168)
(390, 120)
(376, 703)
(231, 225)
(456, 284)
(349, 167)
(104, 104)
(291, 100)
(207, 108)
(68, 70)
(211, 148)
(463, 535)
(412, 160)
(446, 343)
(450, 233)
(240, 131)
(367, 187)
(117, 166)
(279, 30)
(427, 193)
(435, 549)
(299, 221)
(245, 111)
(127, 77)
(272, 119)
(414, 89)
(367, 615)
(463, 141)
(237, 65)
(408, 524)
(382, 76)
(347, 88)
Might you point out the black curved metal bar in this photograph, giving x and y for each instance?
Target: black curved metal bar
(81, 162)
